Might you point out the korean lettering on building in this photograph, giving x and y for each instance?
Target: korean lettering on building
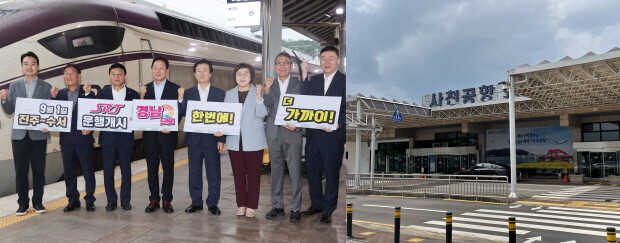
(57, 116)
(482, 94)
(105, 116)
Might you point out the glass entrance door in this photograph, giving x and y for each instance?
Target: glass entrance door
(597, 167)
(611, 163)
(583, 158)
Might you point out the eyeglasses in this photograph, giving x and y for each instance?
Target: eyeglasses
(283, 63)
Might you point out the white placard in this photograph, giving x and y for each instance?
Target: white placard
(155, 115)
(212, 117)
(243, 13)
(104, 115)
(308, 111)
(37, 114)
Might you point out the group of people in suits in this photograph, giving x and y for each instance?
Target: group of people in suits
(324, 148)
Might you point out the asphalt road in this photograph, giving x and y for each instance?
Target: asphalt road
(485, 222)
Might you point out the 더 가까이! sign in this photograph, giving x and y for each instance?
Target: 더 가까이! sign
(37, 114)
(155, 115)
(212, 117)
(104, 115)
(308, 111)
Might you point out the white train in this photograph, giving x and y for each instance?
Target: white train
(96, 33)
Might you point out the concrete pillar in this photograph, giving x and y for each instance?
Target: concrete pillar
(272, 35)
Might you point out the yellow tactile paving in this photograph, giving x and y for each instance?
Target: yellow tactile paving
(577, 204)
(61, 202)
(389, 196)
(368, 233)
(415, 240)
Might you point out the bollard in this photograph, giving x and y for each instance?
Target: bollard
(448, 227)
(611, 235)
(397, 225)
(512, 230)
(350, 220)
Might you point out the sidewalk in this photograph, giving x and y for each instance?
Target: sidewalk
(136, 226)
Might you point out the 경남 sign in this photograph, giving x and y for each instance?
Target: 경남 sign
(155, 115)
(212, 117)
(104, 115)
(308, 111)
(37, 114)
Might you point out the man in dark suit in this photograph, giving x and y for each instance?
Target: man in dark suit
(29, 146)
(76, 145)
(159, 146)
(325, 148)
(117, 145)
(285, 142)
(202, 147)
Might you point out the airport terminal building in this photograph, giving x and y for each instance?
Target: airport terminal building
(567, 119)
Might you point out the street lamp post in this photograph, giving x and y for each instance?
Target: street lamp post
(513, 138)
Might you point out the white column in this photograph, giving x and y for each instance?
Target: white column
(513, 138)
(272, 35)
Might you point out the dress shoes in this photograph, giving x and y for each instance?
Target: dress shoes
(311, 211)
(152, 206)
(38, 207)
(71, 206)
(326, 217)
(274, 213)
(90, 207)
(111, 206)
(168, 207)
(192, 208)
(295, 216)
(126, 205)
(215, 210)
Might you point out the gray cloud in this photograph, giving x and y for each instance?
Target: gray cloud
(403, 49)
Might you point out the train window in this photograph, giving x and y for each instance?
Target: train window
(84, 41)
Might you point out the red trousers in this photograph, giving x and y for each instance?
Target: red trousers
(246, 166)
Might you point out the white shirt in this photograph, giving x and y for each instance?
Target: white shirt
(159, 89)
(119, 95)
(284, 85)
(328, 81)
(204, 94)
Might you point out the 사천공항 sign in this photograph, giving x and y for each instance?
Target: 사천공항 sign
(37, 114)
(104, 115)
(308, 111)
(212, 117)
(155, 115)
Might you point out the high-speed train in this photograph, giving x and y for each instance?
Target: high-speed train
(96, 33)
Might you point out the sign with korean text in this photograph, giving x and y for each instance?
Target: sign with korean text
(461, 98)
(37, 114)
(308, 111)
(155, 115)
(243, 13)
(104, 115)
(212, 117)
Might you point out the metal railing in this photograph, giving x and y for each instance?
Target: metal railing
(469, 187)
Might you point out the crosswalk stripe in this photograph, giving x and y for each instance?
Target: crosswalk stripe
(494, 238)
(537, 220)
(514, 214)
(479, 227)
(578, 214)
(585, 210)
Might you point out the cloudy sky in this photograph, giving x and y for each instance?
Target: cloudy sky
(403, 49)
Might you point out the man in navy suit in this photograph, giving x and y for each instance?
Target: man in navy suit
(159, 146)
(325, 148)
(76, 145)
(117, 145)
(202, 147)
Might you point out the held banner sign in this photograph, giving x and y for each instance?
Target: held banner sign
(104, 115)
(37, 114)
(155, 115)
(308, 111)
(212, 117)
